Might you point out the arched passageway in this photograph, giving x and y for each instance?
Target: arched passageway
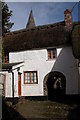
(54, 85)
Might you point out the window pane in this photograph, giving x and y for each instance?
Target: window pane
(25, 75)
(53, 56)
(32, 80)
(35, 80)
(31, 74)
(30, 77)
(28, 74)
(28, 81)
(54, 53)
(34, 77)
(51, 53)
(25, 81)
(34, 74)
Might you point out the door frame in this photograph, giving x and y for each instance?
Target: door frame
(19, 84)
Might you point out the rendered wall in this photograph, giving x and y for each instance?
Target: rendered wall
(8, 85)
(38, 60)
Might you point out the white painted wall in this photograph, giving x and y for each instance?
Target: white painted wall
(38, 60)
(8, 91)
(8, 83)
(1, 83)
(33, 60)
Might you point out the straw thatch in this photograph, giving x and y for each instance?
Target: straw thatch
(38, 37)
(76, 41)
(42, 37)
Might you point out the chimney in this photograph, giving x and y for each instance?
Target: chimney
(68, 19)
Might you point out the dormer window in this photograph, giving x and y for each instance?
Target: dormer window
(52, 53)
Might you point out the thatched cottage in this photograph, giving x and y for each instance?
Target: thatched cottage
(42, 60)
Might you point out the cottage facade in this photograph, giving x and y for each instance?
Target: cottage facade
(41, 60)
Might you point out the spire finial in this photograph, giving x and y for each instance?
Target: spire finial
(31, 22)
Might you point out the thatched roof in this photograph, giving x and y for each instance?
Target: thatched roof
(76, 40)
(37, 37)
(42, 37)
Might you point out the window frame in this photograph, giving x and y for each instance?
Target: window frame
(51, 51)
(29, 72)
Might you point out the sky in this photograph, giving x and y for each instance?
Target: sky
(43, 12)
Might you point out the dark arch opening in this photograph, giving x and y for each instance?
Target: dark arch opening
(54, 85)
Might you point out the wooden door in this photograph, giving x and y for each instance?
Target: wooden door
(19, 84)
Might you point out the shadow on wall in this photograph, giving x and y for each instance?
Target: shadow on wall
(67, 65)
(64, 61)
(62, 72)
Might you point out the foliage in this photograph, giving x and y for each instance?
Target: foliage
(5, 24)
(6, 14)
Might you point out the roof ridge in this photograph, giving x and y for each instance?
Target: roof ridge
(34, 28)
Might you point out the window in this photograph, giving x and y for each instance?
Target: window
(5, 59)
(52, 53)
(30, 77)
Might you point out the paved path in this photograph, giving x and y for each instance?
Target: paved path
(48, 110)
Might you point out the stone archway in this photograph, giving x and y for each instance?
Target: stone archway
(54, 84)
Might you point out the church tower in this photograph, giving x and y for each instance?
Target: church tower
(31, 22)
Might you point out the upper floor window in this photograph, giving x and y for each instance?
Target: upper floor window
(52, 53)
(5, 59)
(30, 77)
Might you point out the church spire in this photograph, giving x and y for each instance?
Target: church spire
(31, 22)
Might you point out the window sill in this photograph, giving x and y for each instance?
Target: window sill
(51, 59)
(26, 85)
(30, 83)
